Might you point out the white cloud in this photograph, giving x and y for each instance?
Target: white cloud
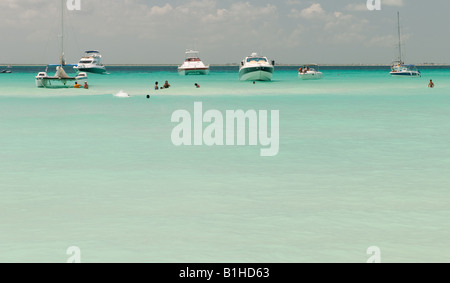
(156, 10)
(314, 11)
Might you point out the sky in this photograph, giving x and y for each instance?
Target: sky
(226, 31)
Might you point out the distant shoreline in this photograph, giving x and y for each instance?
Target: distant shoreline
(237, 65)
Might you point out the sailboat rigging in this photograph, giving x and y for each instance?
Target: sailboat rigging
(399, 68)
(60, 79)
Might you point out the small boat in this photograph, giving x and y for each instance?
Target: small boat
(310, 72)
(193, 65)
(91, 63)
(256, 68)
(6, 71)
(60, 79)
(399, 68)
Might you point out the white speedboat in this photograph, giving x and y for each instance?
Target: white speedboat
(8, 70)
(256, 68)
(310, 72)
(399, 68)
(60, 79)
(91, 63)
(193, 65)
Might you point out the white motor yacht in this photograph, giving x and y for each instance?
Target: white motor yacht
(256, 68)
(91, 63)
(193, 65)
(310, 72)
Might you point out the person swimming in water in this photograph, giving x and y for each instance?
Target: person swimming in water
(431, 84)
(166, 85)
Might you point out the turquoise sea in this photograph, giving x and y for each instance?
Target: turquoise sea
(364, 161)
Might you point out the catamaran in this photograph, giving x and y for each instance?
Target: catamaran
(60, 79)
(399, 68)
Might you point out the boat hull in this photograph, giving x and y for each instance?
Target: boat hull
(193, 72)
(406, 74)
(94, 70)
(311, 76)
(256, 74)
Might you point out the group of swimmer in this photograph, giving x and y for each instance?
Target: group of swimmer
(86, 86)
(167, 85)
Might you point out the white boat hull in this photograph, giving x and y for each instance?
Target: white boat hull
(311, 76)
(406, 74)
(256, 74)
(91, 69)
(190, 72)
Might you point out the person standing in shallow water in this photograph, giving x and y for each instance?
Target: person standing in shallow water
(431, 84)
(166, 85)
(156, 86)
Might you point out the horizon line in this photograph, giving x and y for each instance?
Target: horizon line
(235, 64)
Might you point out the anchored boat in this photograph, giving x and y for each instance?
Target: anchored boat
(399, 68)
(256, 68)
(193, 65)
(60, 79)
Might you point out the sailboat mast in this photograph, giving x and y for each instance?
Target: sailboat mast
(399, 39)
(62, 34)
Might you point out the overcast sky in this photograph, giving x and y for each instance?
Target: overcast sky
(225, 31)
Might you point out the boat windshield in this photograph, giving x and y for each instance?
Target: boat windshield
(256, 59)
